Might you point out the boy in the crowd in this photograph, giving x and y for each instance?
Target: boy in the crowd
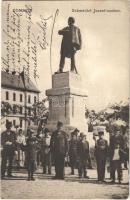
(20, 148)
(116, 160)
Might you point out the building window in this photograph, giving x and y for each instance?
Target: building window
(7, 95)
(35, 98)
(14, 122)
(14, 109)
(29, 123)
(21, 97)
(36, 122)
(29, 111)
(29, 99)
(21, 123)
(21, 110)
(14, 96)
(7, 121)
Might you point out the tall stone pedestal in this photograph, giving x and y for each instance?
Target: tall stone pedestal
(67, 101)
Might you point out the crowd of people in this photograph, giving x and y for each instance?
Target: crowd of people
(47, 149)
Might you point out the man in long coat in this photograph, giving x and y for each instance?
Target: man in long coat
(101, 153)
(71, 42)
(59, 148)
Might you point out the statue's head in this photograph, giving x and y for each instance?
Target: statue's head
(71, 21)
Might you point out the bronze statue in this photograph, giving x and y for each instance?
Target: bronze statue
(71, 42)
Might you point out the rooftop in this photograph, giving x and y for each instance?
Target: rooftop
(18, 82)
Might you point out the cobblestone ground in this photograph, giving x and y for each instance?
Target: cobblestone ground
(72, 187)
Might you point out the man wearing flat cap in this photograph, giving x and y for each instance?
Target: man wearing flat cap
(71, 42)
(59, 148)
(73, 150)
(101, 152)
(8, 143)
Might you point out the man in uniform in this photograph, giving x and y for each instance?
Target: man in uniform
(71, 42)
(59, 148)
(73, 150)
(101, 152)
(8, 143)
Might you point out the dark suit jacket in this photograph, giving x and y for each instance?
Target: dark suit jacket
(59, 143)
(73, 147)
(83, 150)
(31, 149)
(11, 138)
(101, 149)
(71, 39)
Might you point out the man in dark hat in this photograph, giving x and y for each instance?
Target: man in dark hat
(8, 143)
(83, 154)
(73, 150)
(71, 42)
(101, 152)
(59, 148)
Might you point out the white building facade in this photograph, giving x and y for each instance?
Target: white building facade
(18, 95)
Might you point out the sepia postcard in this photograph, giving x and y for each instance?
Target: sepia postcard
(65, 99)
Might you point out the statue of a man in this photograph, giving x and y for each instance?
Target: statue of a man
(71, 42)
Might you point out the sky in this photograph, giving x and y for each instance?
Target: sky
(103, 61)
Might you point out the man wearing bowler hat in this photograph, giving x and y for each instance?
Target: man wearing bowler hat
(101, 152)
(59, 148)
(8, 143)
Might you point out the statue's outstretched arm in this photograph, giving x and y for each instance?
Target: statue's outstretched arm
(63, 31)
(60, 32)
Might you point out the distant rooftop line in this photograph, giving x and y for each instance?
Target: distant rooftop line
(18, 82)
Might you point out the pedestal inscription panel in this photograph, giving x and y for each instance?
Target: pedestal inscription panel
(66, 79)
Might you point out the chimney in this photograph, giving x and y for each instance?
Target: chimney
(7, 70)
(13, 72)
